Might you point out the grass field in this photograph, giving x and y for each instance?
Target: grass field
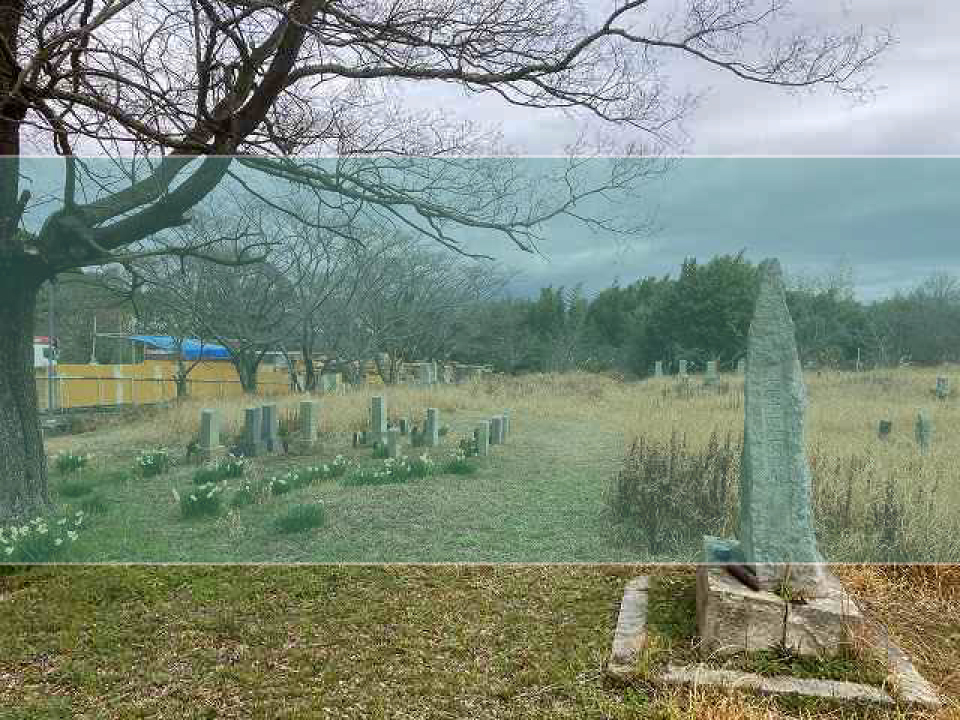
(413, 641)
(544, 497)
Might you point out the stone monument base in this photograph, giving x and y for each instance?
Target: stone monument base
(733, 618)
(211, 454)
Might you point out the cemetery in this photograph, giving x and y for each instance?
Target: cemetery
(531, 470)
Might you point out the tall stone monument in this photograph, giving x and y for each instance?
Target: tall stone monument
(770, 586)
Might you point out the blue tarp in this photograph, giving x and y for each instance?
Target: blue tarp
(191, 346)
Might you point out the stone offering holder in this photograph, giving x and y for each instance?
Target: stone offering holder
(769, 588)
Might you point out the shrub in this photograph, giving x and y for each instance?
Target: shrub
(74, 489)
(671, 492)
(380, 450)
(282, 485)
(202, 501)
(94, 505)
(422, 466)
(151, 463)
(247, 493)
(68, 462)
(301, 517)
(468, 447)
(226, 468)
(459, 464)
(40, 540)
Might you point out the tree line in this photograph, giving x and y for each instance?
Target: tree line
(704, 314)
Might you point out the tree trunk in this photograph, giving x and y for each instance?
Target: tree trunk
(247, 372)
(23, 463)
(309, 372)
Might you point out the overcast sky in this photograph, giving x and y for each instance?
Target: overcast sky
(892, 222)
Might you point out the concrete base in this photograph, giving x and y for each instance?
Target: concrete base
(732, 618)
(909, 688)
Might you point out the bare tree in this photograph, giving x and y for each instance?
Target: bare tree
(175, 91)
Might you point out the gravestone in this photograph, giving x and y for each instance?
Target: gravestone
(306, 440)
(431, 431)
(506, 425)
(496, 430)
(658, 368)
(482, 436)
(924, 430)
(210, 447)
(393, 443)
(328, 382)
(943, 388)
(404, 425)
(883, 431)
(271, 428)
(776, 552)
(253, 431)
(423, 374)
(711, 375)
(682, 364)
(378, 418)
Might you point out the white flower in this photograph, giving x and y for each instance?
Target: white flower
(62, 521)
(193, 498)
(176, 495)
(72, 535)
(58, 542)
(8, 550)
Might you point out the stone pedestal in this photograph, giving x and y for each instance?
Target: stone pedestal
(732, 618)
(431, 437)
(307, 440)
(210, 447)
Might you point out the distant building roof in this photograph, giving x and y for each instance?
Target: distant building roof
(192, 347)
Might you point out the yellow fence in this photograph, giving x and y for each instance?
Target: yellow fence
(149, 382)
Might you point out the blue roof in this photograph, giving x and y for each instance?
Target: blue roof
(191, 346)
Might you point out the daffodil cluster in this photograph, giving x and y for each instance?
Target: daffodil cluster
(40, 539)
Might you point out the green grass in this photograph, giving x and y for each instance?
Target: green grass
(346, 642)
(74, 488)
(300, 518)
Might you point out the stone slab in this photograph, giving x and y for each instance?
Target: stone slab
(909, 687)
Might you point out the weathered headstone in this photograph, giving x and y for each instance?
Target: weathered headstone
(775, 558)
(404, 425)
(306, 440)
(506, 425)
(883, 431)
(496, 430)
(482, 436)
(943, 388)
(776, 520)
(393, 443)
(210, 447)
(271, 428)
(432, 428)
(378, 418)
(711, 374)
(658, 368)
(423, 374)
(253, 431)
(682, 365)
(924, 430)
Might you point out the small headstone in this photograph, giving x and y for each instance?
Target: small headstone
(393, 443)
(924, 430)
(378, 418)
(943, 388)
(271, 428)
(658, 368)
(309, 418)
(482, 436)
(404, 426)
(356, 439)
(506, 425)
(886, 426)
(682, 364)
(432, 428)
(496, 430)
(210, 447)
(711, 375)
(253, 431)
